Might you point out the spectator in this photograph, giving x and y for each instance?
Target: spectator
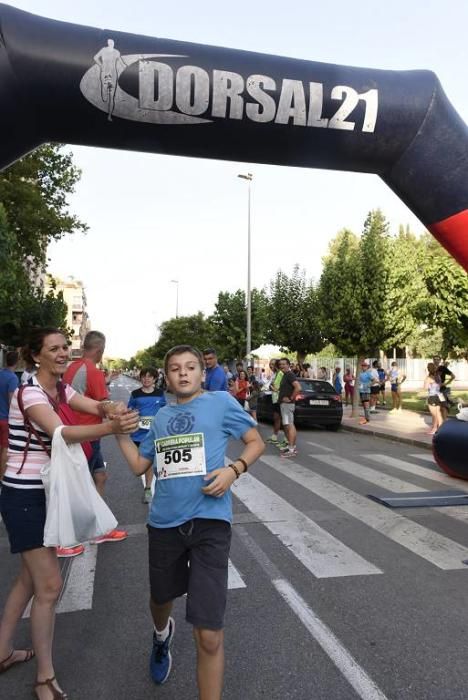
(8, 384)
(242, 388)
(338, 381)
(375, 387)
(289, 389)
(365, 382)
(382, 381)
(215, 377)
(322, 373)
(445, 378)
(396, 377)
(348, 379)
(434, 397)
(86, 379)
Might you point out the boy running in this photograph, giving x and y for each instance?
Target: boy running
(365, 382)
(147, 400)
(190, 517)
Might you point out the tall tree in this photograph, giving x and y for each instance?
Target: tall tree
(293, 314)
(22, 305)
(445, 304)
(192, 330)
(34, 192)
(229, 322)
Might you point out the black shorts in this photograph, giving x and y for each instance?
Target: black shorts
(276, 408)
(192, 558)
(24, 514)
(365, 396)
(375, 389)
(433, 401)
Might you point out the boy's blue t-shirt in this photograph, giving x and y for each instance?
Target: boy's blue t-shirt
(217, 416)
(147, 404)
(365, 381)
(215, 379)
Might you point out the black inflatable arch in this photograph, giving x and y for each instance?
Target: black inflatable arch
(66, 83)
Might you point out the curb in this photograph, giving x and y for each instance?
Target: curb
(387, 436)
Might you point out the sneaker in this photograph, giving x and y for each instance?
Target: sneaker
(147, 495)
(372, 409)
(282, 444)
(112, 536)
(363, 421)
(273, 439)
(161, 659)
(289, 453)
(63, 552)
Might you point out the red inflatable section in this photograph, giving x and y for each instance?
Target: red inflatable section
(452, 233)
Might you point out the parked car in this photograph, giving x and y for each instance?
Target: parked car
(316, 404)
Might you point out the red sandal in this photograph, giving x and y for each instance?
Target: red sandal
(5, 666)
(56, 693)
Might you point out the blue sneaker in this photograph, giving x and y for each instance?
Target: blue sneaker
(161, 659)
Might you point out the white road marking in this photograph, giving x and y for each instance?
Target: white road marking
(235, 580)
(316, 549)
(456, 512)
(317, 444)
(437, 549)
(78, 585)
(427, 457)
(367, 474)
(364, 686)
(416, 469)
(78, 594)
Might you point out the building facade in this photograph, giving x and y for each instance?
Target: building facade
(74, 297)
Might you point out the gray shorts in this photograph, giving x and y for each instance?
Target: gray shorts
(192, 558)
(287, 413)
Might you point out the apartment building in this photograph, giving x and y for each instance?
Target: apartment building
(74, 297)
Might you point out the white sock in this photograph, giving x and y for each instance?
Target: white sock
(163, 635)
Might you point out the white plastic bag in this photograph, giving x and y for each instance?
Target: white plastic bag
(76, 512)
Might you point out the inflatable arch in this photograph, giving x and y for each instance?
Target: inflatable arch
(66, 83)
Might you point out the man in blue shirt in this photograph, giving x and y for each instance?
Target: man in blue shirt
(8, 383)
(189, 525)
(215, 376)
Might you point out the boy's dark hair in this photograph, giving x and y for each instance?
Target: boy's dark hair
(178, 350)
(11, 358)
(149, 370)
(209, 351)
(286, 359)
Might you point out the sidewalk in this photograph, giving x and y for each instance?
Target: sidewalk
(404, 426)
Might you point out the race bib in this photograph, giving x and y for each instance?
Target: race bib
(145, 422)
(180, 455)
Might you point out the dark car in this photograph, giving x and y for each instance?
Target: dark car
(316, 404)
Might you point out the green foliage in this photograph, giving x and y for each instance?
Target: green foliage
(445, 304)
(229, 322)
(22, 305)
(293, 321)
(34, 192)
(369, 289)
(186, 330)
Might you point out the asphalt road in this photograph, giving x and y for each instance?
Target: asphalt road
(332, 596)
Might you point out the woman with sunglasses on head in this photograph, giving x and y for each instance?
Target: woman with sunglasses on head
(23, 504)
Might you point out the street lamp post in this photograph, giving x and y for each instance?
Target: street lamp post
(249, 178)
(176, 282)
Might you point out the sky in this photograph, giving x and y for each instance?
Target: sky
(155, 218)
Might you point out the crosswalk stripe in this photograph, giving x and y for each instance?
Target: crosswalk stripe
(437, 549)
(426, 456)
(367, 474)
(416, 469)
(235, 580)
(318, 551)
(317, 444)
(392, 483)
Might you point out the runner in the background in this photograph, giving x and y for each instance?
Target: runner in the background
(147, 400)
(365, 380)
